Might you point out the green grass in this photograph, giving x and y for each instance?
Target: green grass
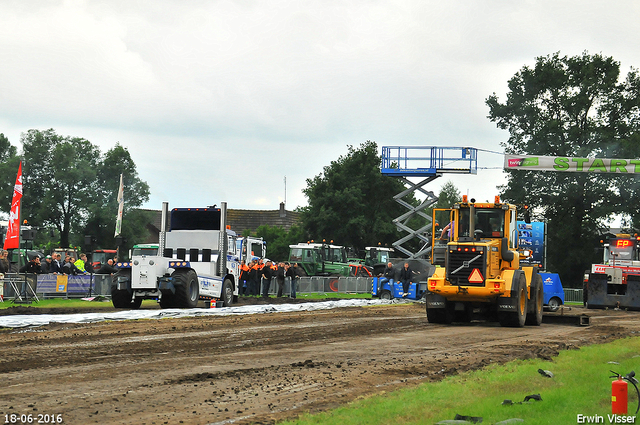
(66, 303)
(581, 386)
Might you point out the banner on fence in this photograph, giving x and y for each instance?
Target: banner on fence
(60, 283)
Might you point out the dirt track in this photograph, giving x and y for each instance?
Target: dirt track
(258, 368)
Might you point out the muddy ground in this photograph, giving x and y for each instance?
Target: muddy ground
(259, 368)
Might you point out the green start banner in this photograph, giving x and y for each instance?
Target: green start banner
(565, 163)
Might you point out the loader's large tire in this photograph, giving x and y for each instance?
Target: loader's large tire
(516, 319)
(534, 316)
(187, 288)
(441, 315)
(227, 293)
(121, 298)
(435, 315)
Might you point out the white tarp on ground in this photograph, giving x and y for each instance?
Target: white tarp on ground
(18, 321)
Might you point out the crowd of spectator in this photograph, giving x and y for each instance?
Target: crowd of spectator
(258, 275)
(55, 265)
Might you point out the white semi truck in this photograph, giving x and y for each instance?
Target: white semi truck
(197, 259)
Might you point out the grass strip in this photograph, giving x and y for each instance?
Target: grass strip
(580, 386)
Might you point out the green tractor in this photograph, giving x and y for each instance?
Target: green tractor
(320, 259)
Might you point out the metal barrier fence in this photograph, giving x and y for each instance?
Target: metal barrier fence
(66, 286)
(327, 285)
(56, 286)
(572, 295)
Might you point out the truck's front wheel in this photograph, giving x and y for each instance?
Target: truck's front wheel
(516, 319)
(187, 288)
(121, 298)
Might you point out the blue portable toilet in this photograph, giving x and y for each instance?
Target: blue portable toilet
(553, 291)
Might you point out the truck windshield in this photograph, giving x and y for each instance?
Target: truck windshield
(256, 249)
(145, 251)
(296, 254)
(489, 221)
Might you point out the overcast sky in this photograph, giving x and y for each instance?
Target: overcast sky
(219, 100)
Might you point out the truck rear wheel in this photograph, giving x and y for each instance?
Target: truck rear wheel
(167, 301)
(187, 288)
(227, 293)
(534, 317)
(121, 298)
(516, 319)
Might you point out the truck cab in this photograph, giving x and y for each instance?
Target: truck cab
(197, 259)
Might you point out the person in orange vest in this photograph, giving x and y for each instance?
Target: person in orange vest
(243, 279)
(266, 279)
(253, 278)
(280, 275)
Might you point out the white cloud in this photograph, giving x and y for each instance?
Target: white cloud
(218, 100)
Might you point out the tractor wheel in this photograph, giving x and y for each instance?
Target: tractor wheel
(227, 293)
(534, 317)
(167, 301)
(187, 288)
(121, 298)
(385, 295)
(516, 319)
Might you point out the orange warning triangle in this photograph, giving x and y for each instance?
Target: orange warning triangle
(476, 276)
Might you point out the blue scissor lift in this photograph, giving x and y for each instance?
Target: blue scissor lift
(429, 162)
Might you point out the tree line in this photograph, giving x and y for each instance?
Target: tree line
(70, 189)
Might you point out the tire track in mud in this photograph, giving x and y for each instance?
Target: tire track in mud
(258, 369)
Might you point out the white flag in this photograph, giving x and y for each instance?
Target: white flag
(120, 206)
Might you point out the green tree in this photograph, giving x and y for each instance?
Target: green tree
(351, 202)
(102, 217)
(572, 106)
(59, 175)
(8, 167)
(278, 240)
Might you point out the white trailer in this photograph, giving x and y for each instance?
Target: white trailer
(189, 265)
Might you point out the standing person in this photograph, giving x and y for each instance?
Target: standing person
(280, 274)
(4, 261)
(243, 279)
(405, 278)
(266, 279)
(253, 278)
(108, 268)
(46, 266)
(88, 267)
(4, 268)
(292, 273)
(55, 266)
(33, 266)
(80, 263)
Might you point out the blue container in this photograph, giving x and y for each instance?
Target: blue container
(553, 291)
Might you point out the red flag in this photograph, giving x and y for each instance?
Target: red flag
(13, 231)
